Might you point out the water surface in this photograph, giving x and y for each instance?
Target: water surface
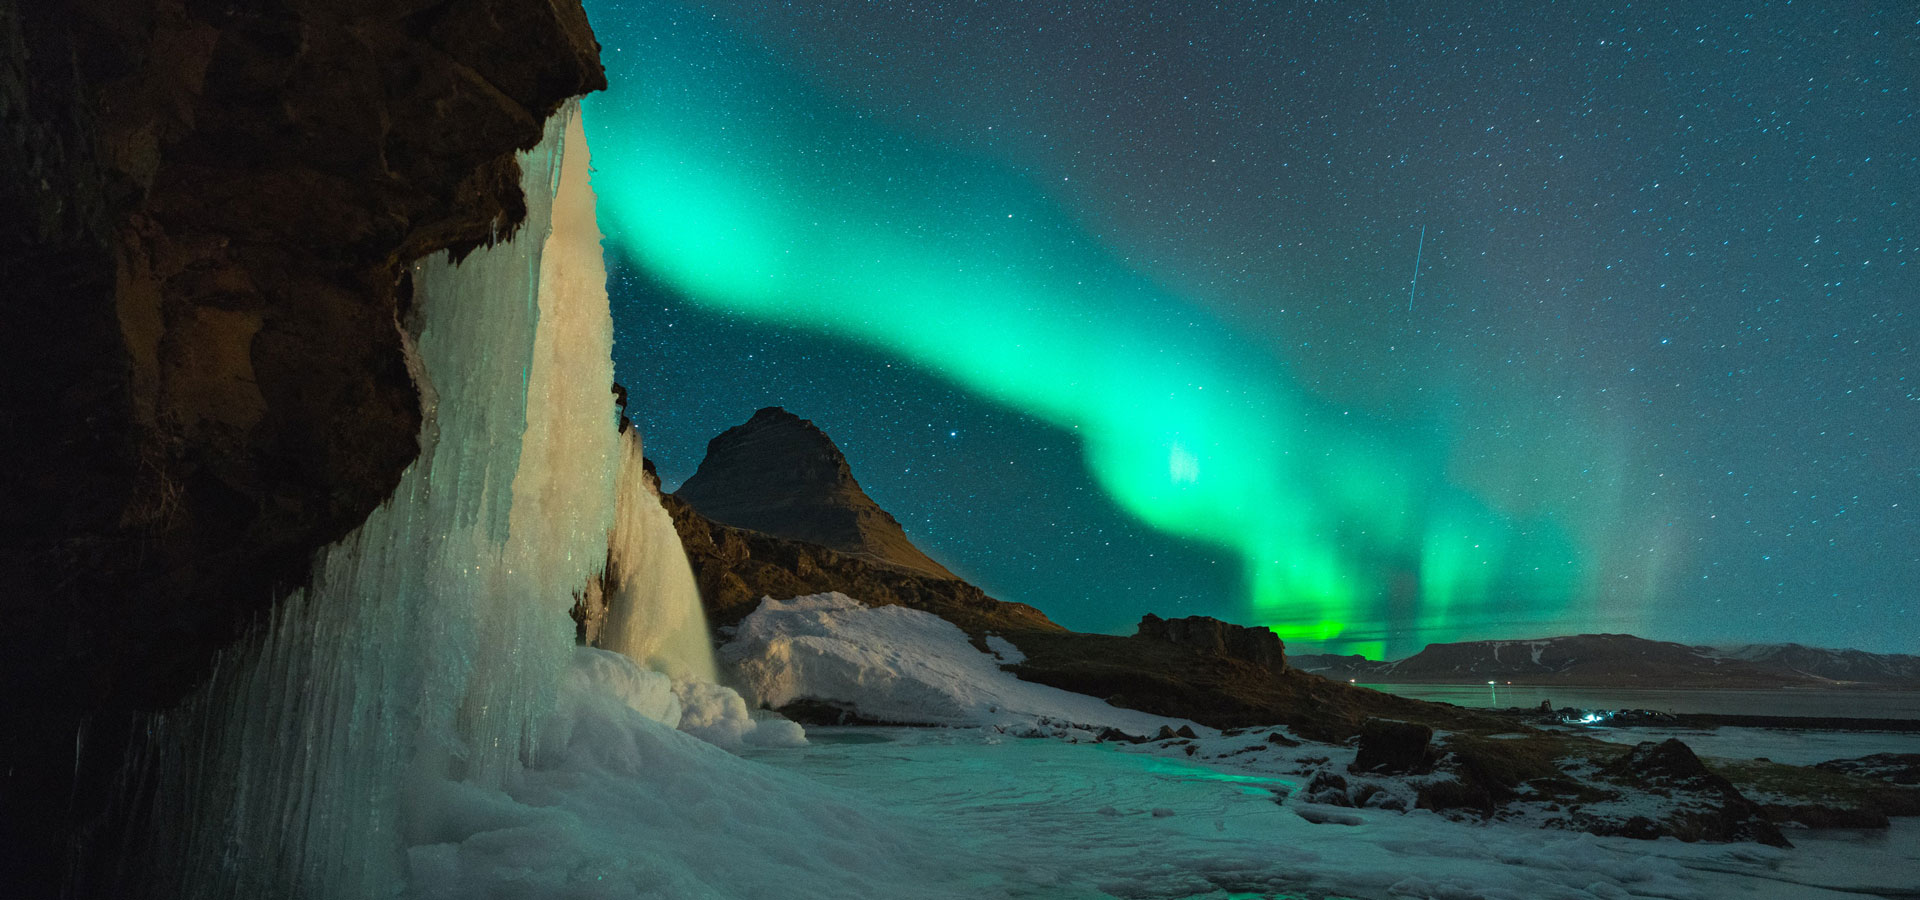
(1799, 702)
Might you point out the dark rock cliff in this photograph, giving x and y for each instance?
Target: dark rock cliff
(1256, 645)
(780, 475)
(210, 212)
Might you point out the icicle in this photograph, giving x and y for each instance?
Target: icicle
(431, 639)
(654, 615)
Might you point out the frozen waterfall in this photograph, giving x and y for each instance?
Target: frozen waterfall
(430, 641)
(653, 610)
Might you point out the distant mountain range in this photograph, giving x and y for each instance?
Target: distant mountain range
(1622, 660)
(774, 510)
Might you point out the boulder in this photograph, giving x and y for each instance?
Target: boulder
(1328, 788)
(1710, 808)
(1394, 748)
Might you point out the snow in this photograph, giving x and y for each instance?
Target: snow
(895, 664)
(718, 715)
(1005, 651)
(618, 805)
(708, 711)
(1107, 820)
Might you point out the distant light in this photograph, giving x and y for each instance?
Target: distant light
(1496, 682)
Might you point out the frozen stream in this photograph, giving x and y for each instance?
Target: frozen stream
(1062, 820)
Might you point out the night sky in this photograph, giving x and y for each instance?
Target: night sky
(1114, 305)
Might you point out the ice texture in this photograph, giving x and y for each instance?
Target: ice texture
(617, 805)
(895, 664)
(653, 611)
(430, 641)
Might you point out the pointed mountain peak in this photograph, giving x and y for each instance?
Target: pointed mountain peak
(780, 474)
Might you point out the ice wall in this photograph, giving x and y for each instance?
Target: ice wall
(430, 642)
(654, 615)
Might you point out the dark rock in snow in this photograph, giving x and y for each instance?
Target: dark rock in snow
(1712, 808)
(1893, 768)
(1394, 748)
(1329, 789)
(1280, 740)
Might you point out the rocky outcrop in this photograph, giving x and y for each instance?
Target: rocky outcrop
(1892, 768)
(779, 475)
(210, 213)
(736, 567)
(1394, 748)
(1256, 645)
(207, 277)
(1709, 807)
(1169, 679)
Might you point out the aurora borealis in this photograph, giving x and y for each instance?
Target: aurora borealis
(1172, 258)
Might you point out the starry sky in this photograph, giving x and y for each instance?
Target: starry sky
(1376, 323)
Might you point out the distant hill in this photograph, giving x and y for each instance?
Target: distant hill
(1836, 665)
(1622, 660)
(779, 475)
(774, 512)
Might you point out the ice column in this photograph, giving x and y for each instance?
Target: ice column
(432, 638)
(654, 615)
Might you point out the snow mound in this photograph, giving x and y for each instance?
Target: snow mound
(895, 664)
(719, 715)
(616, 805)
(711, 712)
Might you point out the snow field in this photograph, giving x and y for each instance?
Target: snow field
(895, 664)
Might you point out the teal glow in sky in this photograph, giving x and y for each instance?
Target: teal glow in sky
(1656, 376)
(733, 180)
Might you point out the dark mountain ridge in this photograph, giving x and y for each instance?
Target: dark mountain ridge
(1623, 660)
(780, 475)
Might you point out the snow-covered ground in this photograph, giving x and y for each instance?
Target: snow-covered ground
(895, 664)
(620, 805)
(1061, 820)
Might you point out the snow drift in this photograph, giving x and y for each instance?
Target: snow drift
(895, 664)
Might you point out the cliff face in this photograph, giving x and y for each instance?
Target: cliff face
(206, 377)
(1256, 645)
(780, 475)
(210, 212)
